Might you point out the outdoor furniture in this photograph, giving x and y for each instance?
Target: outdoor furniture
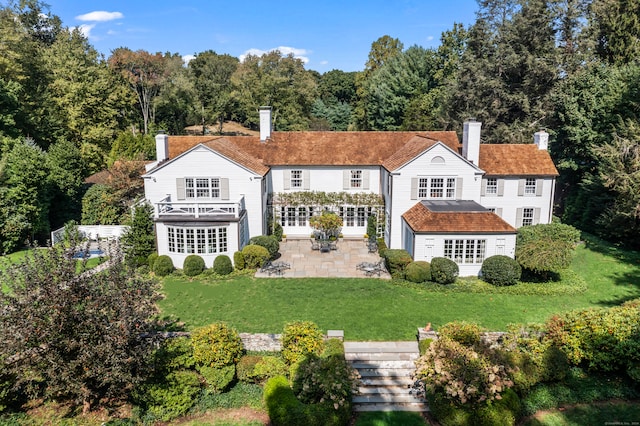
(277, 268)
(370, 268)
(315, 244)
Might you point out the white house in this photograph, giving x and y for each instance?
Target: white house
(430, 194)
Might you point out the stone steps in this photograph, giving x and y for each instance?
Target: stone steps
(385, 369)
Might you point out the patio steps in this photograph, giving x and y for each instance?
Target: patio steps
(385, 369)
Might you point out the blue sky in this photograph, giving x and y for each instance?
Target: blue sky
(326, 35)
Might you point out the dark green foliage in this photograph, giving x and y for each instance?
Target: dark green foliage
(216, 345)
(218, 379)
(546, 248)
(255, 256)
(382, 247)
(100, 206)
(299, 339)
(163, 266)
(128, 146)
(418, 271)
(174, 354)
(90, 325)
(500, 270)
(258, 369)
(170, 397)
(270, 242)
(241, 395)
(193, 265)
(372, 225)
(396, 261)
(465, 333)
(151, 260)
(277, 231)
(245, 368)
(286, 410)
(139, 241)
(443, 270)
(222, 265)
(238, 260)
(390, 418)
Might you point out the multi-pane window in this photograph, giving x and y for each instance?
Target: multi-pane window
(202, 187)
(465, 251)
(291, 216)
(296, 178)
(530, 186)
(527, 216)
(436, 188)
(351, 211)
(362, 216)
(197, 240)
(356, 178)
(302, 216)
(492, 186)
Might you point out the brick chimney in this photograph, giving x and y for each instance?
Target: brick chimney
(471, 140)
(541, 139)
(162, 146)
(265, 123)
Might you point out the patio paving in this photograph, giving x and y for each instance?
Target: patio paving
(340, 263)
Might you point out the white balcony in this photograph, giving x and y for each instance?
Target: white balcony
(197, 209)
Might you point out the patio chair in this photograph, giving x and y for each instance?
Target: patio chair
(315, 244)
(267, 267)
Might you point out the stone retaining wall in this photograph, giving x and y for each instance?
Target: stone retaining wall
(493, 338)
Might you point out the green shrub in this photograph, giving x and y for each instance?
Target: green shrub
(501, 270)
(238, 260)
(463, 332)
(151, 260)
(216, 345)
(418, 271)
(382, 247)
(163, 266)
(423, 345)
(333, 347)
(277, 231)
(372, 225)
(299, 339)
(270, 242)
(268, 367)
(222, 265)
(170, 397)
(396, 261)
(174, 354)
(443, 270)
(193, 265)
(245, 368)
(218, 379)
(254, 256)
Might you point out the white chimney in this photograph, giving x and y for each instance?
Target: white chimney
(541, 139)
(162, 146)
(471, 141)
(265, 123)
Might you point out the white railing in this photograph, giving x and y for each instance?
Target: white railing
(93, 232)
(166, 207)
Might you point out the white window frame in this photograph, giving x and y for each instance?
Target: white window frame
(437, 188)
(465, 251)
(296, 178)
(198, 240)
(528, 215)
(530, 186)
(492, 186)
(201, 188)
(356, 179)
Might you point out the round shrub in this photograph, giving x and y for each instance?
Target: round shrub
(299, 339)
(277, 231)
(418, 271)
(163, 266)
(268, 367)
(218, 379)
(238, 260)
(396, 261)
(222, 265)
(216, 345)
(463, 332)
(255, 256)
(443, 270)
(193, 265)
(270, 242)
(501, 270)
(151, 260)
(245, 368)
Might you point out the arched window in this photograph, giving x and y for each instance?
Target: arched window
(437, 160)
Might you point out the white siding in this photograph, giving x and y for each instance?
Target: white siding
(325, 178)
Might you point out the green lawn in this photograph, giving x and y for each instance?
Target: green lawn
(373, 309)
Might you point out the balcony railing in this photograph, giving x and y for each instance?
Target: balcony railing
(196, 209)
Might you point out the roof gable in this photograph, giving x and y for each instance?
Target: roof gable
(455, 217)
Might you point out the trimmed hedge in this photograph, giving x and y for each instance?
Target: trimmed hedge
(396, 261)
(216, 345)
(238, 260)
(255, 256)
(193, 265)
(418, 271)
(299, 339)
(222, 265)
(501, 270)
(163, 266)
(151, 260)
(270, 242)
(444, 270)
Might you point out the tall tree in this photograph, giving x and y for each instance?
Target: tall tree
(212, 81)
(616, 29)
(278, 81)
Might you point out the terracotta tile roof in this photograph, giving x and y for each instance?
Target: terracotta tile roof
(228, 149)
(516, 159)
(423, 220)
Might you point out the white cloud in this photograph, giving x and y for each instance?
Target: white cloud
(187, 58)
(85, 29)
(100, 16)
(285, 50)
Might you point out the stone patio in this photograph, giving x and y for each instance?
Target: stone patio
(340, 263)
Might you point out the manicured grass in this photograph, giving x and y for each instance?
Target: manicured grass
(372, 309)
(10, 259)
(609, 413)
(390, 418)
